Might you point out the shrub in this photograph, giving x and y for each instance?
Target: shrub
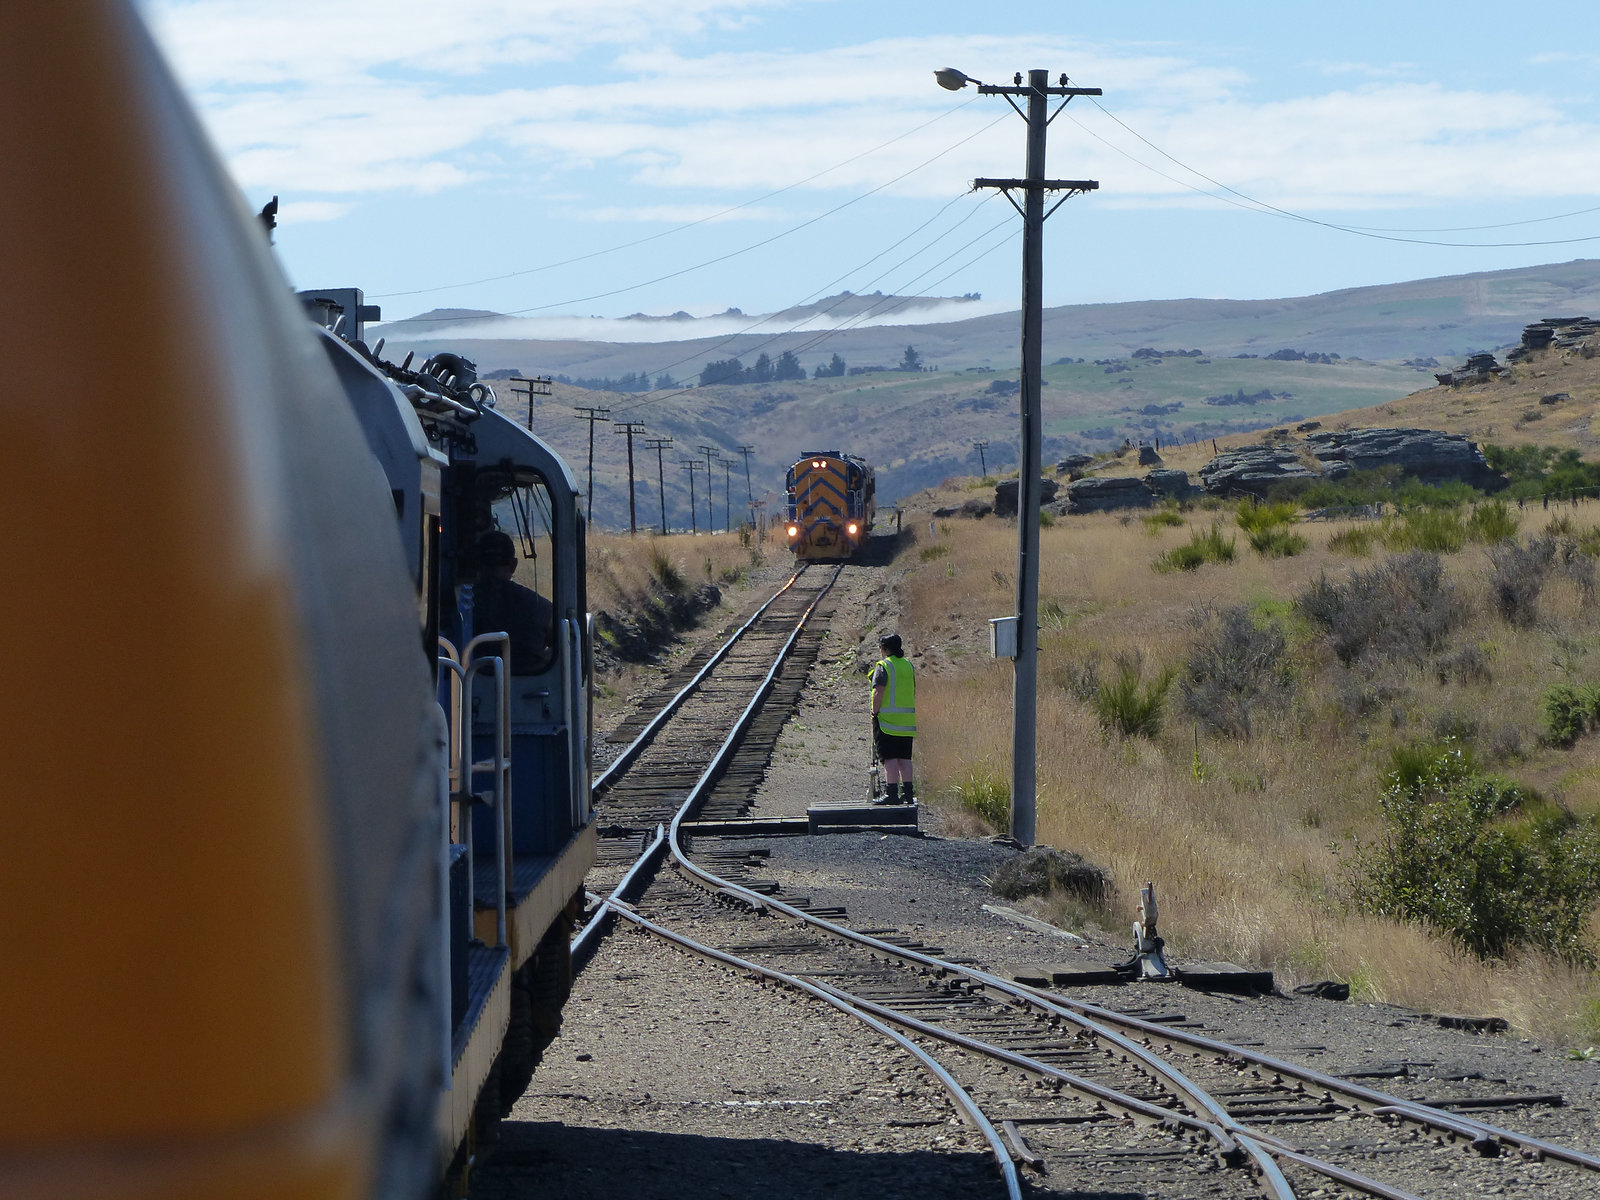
(1234, 666)
(1569, 713)
(1403, 608)
(1277, 542)
(1254, 517)
(1518, 577)
(1434, 530)
(1356, 541)
(1492, 521)
(665, 573)
(1130, 706)
(986, 792)
(1209, 546)
(937, 550)
(1165, 518)
(1467, 665)
(1479, 859)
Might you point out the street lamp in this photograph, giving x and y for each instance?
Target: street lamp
(953, 80)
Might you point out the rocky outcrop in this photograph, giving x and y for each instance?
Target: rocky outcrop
(1148, 457)
(1479, 368)
(1005, 496)
(1169, 482)
(976, 509)
(1108, 494)
(1075, 464)
(1254, 470)
(1424, 454)
(1562, 333)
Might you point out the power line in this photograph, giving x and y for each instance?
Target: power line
(567, 262)
(1253, 204)
(711, 262)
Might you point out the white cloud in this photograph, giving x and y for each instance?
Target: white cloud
(407, 95)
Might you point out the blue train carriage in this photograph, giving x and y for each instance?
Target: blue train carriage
(494, 538)
(276, 924)
(832, 500)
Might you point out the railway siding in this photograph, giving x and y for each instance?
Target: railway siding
(1138, 1132)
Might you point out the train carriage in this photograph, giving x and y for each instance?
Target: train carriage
(832, 500)
(277, 923)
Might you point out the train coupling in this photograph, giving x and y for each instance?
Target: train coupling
(1149, 959)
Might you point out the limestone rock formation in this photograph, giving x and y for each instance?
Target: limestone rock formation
(1424, 454)
(1253, 470)
(1005, 495)
(1108, 493)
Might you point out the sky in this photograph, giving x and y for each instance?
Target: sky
(598, 158)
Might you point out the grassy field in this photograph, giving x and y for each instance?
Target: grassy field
(1248, 839)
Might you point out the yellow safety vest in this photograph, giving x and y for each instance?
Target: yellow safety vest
(898, 715)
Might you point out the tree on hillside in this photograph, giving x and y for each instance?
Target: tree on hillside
(665, 381)
(912, 361)
(728, 370)
(830, 370)
(762, 371)
(787, 367)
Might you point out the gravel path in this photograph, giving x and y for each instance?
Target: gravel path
(676, 1077)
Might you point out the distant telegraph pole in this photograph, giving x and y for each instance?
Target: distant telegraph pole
(592, 415)
(630, 428)
(727, 510)
(1025, 681)
(538, 385)
(711, 517)
(692, 465)
(658, 445)
(983, 467)
(750, 493)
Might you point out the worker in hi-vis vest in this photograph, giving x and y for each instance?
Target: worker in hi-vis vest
(894, 718)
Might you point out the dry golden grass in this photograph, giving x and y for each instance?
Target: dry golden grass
(621, 567)
(1247, 845)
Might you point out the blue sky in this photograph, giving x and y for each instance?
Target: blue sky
(457, 154)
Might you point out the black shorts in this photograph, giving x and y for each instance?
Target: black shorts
(890, 745)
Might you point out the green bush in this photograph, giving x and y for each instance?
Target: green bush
(1209, 546)
(1254, 517)
(1492, 521)
(1277, 542)
(986, 792)
(1165, 518)
(1569, 713)
(937, 550)
(1130, 706)
(1356, 541)
(1482, 860)
(1434, 530)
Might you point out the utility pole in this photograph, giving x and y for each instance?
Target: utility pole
(630, 428)
(727, 509)
(592, 415)
(1025, 681)
(711, 517)
(983, 467)
(750, 493)
(692, 465)
(658, 445)
(539, 385)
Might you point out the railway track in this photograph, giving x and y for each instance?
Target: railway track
(1068, 1096)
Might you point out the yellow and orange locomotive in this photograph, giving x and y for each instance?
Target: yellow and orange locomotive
(832, 500)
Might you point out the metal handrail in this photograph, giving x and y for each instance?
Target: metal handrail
(499, 765)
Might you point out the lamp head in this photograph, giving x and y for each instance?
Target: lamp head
(952, 79)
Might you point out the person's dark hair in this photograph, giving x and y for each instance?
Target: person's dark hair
(496, 549)
(890, 643)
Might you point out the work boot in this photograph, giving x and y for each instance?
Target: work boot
(905, 793)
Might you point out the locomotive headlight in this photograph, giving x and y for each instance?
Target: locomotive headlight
(851, 528)
(794, 531)
(816, 463)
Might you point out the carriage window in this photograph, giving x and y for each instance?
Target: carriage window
(516, 570)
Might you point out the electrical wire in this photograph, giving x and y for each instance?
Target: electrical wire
(567, 262)
(1251, 203)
